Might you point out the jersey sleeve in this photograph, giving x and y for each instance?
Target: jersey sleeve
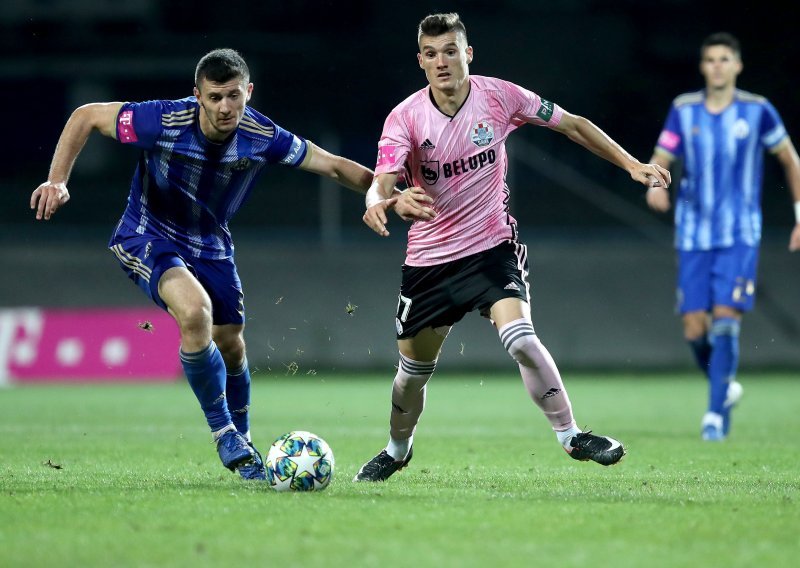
(670, 140)
(773, 132)
(140, 124)
(394, 146)
(527, 106)
(287, 148)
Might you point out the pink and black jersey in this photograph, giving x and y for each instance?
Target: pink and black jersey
(461, 163)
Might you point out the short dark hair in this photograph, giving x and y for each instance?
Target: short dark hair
(722, 38)
(220, 66)
(438, 24)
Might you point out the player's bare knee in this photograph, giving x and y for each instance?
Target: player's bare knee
(232, 348)
(194, 320)
(695, 325)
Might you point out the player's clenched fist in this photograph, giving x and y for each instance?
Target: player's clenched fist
(48, 198)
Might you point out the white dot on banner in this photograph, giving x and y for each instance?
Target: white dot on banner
(115, 351)
(24, 353)
(69, 352)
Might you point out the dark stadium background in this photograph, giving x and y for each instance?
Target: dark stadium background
(331, 71)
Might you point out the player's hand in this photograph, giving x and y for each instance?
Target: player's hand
(375, 216)
(48, 198)
(794, 240)
(658, 198)
(652, 175)
(412, 205)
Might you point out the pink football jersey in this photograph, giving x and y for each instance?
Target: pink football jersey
(461, 163)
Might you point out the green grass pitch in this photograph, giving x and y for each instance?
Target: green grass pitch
(126, 476)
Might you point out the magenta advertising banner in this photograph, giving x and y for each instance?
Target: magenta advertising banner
(88, 345)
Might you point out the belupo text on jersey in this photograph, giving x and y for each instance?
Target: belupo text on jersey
(462, 165)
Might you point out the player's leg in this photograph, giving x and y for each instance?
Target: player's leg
(220, 279)
(417, 363)
(230, 341)
(696, 326)
(190, 305)
(543, 382)
(694, 303)
(425, 312)
(733, 294)
(722, 372)
(161, 273)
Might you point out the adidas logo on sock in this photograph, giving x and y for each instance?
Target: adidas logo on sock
(511, 286)
(551, 393)
(427, 145)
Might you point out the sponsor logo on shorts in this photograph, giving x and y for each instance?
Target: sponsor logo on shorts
(398, 325)
(511, 286)
(482, 133)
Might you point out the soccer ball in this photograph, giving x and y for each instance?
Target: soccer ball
(299, 461)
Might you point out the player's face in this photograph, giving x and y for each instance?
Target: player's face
(445, 60)
(720, 66)
(222, 106)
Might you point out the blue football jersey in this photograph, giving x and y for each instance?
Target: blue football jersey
(187, 188)
(718, 203)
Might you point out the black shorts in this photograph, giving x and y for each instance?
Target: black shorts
(440, 295)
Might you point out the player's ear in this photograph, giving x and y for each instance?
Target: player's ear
(196, 92)
(249, 92)
(469, 54)
(419, 60)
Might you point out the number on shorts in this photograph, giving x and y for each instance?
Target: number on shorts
(406, 307)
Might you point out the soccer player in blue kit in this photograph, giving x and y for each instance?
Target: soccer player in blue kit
(720, 133)
(201, 156)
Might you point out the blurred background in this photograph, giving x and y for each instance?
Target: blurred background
(320, 288)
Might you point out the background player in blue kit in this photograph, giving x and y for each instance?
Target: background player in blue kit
(200, 158)
(720, 133)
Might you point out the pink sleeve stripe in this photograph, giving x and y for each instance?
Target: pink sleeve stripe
(127, 134)
(669, 140)
(386, 155)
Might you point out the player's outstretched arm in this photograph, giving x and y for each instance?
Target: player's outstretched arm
(380, 198)
(52, 194)
(788, 158)
(584, 132)
(346, 172)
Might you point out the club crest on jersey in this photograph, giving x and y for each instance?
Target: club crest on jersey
(241, 164)
(482, 133)
(430, 171)
(740, 129)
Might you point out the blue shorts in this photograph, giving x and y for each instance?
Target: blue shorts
(717, 277)
(145, 258)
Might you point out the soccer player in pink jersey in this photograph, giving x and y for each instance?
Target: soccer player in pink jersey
(448, 141)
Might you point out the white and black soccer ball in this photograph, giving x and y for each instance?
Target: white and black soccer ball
(299, 461)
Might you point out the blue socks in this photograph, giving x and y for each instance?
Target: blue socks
(238, 391)
(723, 361)
(205, 371)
